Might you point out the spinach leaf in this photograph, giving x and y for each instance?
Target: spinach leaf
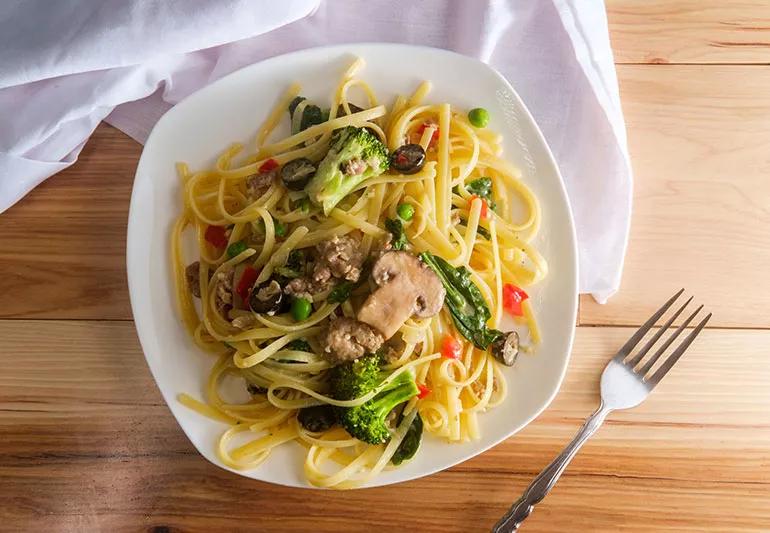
(396, 229)
(341, 292)
(301, 345)
(311, 114)
(294, 266)
(410, 444)
(482, 187)
(465, 302)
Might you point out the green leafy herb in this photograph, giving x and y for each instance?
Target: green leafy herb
(288, 273)
(410, 443)
(396, 229)
(294, 266)
(311, 116)
(482, 187)
(341, 292)
(303, 204)
(300, 345)
(465, 302)
(296, 259)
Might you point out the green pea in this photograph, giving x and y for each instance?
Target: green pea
(479, 117)
(235, 249)
(405, 211)
(301, 309)
(280, 229)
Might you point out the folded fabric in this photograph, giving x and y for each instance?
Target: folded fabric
(68, 65)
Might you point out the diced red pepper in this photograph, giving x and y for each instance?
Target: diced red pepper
(267, 166)
(216, 236)
(250, 275)
(512, 298)
(451, 347)
(424, 391)
(484, 206)
(422, 129)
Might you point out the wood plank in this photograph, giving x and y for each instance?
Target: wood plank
(62, 249)
(87, 444)
(189, 494)
(699, 140)
(689, 31)
(698, 144)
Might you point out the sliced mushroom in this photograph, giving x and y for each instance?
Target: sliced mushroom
(407, 287)
(506, 349)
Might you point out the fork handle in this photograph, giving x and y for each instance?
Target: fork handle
(546, 479)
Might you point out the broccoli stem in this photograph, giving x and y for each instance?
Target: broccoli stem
(398, 391)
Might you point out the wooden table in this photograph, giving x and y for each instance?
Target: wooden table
(86, 443)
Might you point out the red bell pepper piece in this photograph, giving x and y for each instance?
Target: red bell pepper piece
(512, 298)
(216, 236)
(268, 165)
(424, 391)
(247, 280)
(451, 347)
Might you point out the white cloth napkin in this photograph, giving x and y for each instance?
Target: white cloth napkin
(69, 64)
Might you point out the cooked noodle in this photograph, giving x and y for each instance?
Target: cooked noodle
(447, 221)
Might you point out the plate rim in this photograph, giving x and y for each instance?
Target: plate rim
(141, 326)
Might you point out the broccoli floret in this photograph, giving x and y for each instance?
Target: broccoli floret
(354, 155)
(367, 422)
(356, 378)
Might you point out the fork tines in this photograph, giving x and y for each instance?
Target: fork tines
(634, 361)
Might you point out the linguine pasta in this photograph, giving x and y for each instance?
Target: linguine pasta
(448, 221)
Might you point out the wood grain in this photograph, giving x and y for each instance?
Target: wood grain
(699, 144)
(63, 247)
(87, 444)
(85, 434)
(690, 31)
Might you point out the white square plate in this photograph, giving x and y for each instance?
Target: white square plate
(230, 110)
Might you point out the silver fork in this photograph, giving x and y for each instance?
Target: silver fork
(625, 383)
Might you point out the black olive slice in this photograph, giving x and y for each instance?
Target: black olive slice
(408, 159)
(266, 298)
